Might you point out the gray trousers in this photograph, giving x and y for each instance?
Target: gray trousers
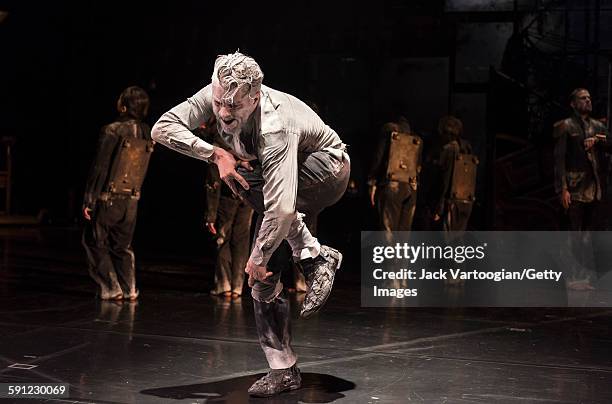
(233, 227)
(107, 240)
(582, 220)
(457, 215)
(396, 202)
(322, 180)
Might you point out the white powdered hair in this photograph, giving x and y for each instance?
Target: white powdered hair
(236, 73)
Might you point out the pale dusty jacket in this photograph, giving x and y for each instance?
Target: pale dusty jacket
(284, 128)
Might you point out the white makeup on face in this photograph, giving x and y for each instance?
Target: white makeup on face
(232, 115)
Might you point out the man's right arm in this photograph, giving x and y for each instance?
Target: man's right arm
(174, 128)
(560, 137)
(382, 143)
(377, 161)
(448, 155)
(99, 170)
(559, 152)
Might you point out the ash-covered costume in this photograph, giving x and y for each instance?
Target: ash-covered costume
(111, 195)
(299, 165)
(232, 220)
(285, 136)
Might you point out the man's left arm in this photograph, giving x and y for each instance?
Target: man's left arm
(280, 173)
(603, 137)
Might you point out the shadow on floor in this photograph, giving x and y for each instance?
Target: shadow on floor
(316, 388)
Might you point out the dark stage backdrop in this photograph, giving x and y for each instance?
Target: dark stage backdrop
(63, 65)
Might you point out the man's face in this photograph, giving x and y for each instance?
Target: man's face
(582, 102)
(232, 116)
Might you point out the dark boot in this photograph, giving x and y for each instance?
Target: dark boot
(319, 273)
(273, 321)
(277, 381)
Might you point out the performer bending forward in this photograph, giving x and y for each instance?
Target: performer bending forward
(297, 165)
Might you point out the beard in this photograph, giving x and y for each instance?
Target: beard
(234, 132)
(585, 109)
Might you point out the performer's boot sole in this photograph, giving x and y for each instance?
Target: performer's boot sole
(308, 314)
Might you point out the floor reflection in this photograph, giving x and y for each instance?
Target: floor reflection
(116, 312)
(316, 388)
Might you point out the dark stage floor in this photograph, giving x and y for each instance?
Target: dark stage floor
(177, 344)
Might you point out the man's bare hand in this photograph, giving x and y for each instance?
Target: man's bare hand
(226, 163)
(87, 213)
(211, 228)
(436, 217)
(589, 143)
(256, 273)
(372, 193)
(566, 199)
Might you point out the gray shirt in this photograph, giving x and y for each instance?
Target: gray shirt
(284, 127)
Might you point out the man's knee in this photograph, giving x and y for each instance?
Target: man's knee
(266, 292)
(122, 251)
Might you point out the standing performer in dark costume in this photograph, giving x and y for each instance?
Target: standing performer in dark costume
(111, 197)
(580, 177)
(393, 178)
(297, 164)
(458, 176)
(228, 219)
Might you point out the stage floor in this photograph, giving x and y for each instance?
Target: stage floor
(180, 345)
